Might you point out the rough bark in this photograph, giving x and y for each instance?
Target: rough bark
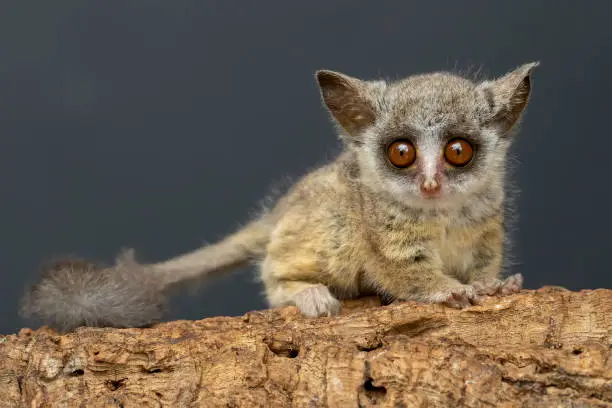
(542, 348)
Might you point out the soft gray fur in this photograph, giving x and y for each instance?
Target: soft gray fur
(74, 293)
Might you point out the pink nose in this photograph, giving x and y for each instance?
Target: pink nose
(430, 187)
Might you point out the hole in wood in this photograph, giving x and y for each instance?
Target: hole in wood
(77, 373)
(373, 389)
(283, 348)
(114, 385)
(371, 395)
(369, 347)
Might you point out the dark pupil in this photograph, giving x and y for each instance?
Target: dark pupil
(457, 148)
(403, 149)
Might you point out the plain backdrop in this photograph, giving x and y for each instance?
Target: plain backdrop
(159, 125)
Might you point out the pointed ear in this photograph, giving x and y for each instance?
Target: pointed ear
(347, 99)
(508, 96)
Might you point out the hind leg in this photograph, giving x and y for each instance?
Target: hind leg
(285, 285)
(313, 300)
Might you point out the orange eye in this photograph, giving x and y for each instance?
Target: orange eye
(458, 152)
(401, 153)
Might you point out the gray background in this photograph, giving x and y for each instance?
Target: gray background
(160, 124)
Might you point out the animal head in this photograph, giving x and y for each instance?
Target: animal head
(428, 140)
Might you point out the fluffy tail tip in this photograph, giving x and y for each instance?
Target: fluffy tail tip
(76, 292)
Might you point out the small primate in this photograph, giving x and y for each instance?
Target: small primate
(413, 208)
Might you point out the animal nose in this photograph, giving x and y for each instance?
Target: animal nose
(430, 187)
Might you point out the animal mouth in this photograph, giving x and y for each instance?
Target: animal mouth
(431, 195)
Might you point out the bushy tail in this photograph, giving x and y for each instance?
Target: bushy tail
(74, 293)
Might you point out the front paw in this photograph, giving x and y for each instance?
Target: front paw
(512, 284)
(458, 297)
(493, 287)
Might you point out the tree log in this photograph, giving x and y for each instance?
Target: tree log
(543, 348)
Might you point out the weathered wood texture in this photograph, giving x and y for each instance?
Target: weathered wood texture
(545, 348)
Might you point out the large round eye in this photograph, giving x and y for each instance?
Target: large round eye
(401, 153)
(458, 152)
